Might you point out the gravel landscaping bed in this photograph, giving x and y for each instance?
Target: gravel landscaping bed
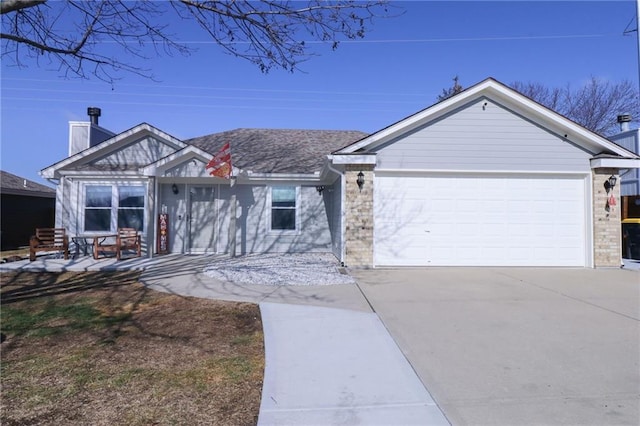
(280, 269)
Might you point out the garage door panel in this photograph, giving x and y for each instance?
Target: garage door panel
(510, 221)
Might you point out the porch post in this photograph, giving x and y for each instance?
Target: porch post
(607, 241)
(152, 213)
(359, 216)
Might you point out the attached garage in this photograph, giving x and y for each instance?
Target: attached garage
(480, 220)
(487, 177)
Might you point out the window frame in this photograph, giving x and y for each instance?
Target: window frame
(85, 207)
(296, 209)
(114, 208)
(120, 208)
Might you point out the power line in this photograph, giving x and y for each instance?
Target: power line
(225, 106)
(239, 98)
(239, 89)
(397, 41)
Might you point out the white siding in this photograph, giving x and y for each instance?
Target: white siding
(83, 135)
(141, 152)
(224, 205)
(253, 229)
(482, 137)
(190, 168)
(62, 204)
(78, 137)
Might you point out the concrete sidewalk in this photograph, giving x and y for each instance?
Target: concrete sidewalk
(337, 367)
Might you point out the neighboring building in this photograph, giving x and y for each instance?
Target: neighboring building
(25, 206)
(487, 177)
(630, 179)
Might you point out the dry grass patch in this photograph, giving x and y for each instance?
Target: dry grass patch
(101, 349)
(14, 255)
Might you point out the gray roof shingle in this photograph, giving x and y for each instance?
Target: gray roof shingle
(12, 184)
(278, 150)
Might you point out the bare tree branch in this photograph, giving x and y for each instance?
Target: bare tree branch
(549, 97)
(7, 6)
(79, 36)
(595, 105)
(453, 90)
(268, 33)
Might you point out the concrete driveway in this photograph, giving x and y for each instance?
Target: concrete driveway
(518, 346)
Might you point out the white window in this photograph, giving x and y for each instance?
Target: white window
(108, 207)
(131, 207)
(284, 204)
(97, 210)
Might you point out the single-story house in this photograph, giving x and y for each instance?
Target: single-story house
(487, 177)
(25, 206)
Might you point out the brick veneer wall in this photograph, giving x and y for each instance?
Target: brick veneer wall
(607, 245)
(359, 216)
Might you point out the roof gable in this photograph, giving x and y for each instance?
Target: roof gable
(482, 135)
(142, 143)
(505, 96)
(190, 161)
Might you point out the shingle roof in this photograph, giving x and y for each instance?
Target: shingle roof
(278, 150)
(12, 184)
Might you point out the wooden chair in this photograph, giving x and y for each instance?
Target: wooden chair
(128, 239)
(49, 239)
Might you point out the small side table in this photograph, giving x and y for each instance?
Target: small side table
(82, 243)
(100, 244)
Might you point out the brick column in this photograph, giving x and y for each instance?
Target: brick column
(607, 244)
(358, 216)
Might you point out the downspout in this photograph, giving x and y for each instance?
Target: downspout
(591, 217)
(342, 202)
(626, 171)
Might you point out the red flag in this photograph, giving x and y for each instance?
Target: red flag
(221, 163)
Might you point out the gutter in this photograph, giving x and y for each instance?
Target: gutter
(250, 176)
(617, 163)
(27, 193)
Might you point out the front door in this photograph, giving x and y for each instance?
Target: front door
(201, 220)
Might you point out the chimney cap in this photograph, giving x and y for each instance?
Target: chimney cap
(94, 113)
(624, 118)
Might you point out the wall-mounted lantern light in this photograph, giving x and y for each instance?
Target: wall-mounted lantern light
(320, 188)
(360, 180)
(174, 189)
(610, 183)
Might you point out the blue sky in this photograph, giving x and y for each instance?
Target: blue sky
(400, 67)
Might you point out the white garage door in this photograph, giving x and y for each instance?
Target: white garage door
(479, 221)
